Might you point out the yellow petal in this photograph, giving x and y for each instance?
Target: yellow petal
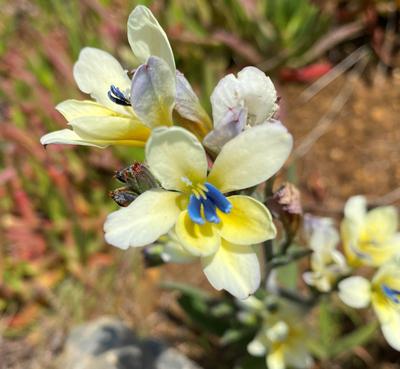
(147, 218)
(234, 268)
(147, 38)
(251, 157)
(380, 224)
(95, 72)
(198, 240)
(248, 223)
(276, 357)
(389, 318)
(175, 157)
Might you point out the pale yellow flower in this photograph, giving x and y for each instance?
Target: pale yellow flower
(217, 228)
(283, 339)
(383, 293)
(369, 238)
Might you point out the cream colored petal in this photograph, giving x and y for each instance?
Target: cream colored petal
(72, 109)
(251, 157)
(259, 94)
(234, 268)
(110, 128)
(174, 253)
(198, 240)
(226, 96)
(147, 218)
(153, 93)
(355, 291)
(256, 347)
(356, 209)
(95, 72)
(297, 356)
(147, 38)
(176, 158)
(248, 223)
(69, 137)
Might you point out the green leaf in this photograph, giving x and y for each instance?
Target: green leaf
(357, 338)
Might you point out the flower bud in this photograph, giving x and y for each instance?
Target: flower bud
(137, 178)
(123, 196)
(285, 204)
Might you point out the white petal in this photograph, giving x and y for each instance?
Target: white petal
(226, 96)
(153, 93)
(233, 268)
(147, 38)
(251, 157)
(175, 157)
(355, 291)
(147, 218)
(259, 94)
(256, 347)
(95, 71)
(69, 137)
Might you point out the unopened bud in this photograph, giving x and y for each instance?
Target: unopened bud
(285, 204)
(123, 196)
(137, 177)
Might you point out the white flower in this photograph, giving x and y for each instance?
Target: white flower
(238, 103)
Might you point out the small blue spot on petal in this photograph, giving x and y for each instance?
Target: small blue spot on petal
(392, 294)
(220, 201)
(210, 211)
(194, 210)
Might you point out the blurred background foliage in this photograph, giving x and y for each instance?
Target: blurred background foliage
(53, 202)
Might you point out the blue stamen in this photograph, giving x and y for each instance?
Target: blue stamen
(391, 293)
(116, 96)
(210, 211)
(220, 201)
(194, 210)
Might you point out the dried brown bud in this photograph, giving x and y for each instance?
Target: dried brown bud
(137, 177)
(285, 204)
(123, 196)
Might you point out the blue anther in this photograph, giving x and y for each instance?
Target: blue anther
(220, 201)
(194, 210)
(391, 293)
(210, 211)
(116, 96)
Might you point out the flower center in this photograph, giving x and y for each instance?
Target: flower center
(391, 293)
(204, 201)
